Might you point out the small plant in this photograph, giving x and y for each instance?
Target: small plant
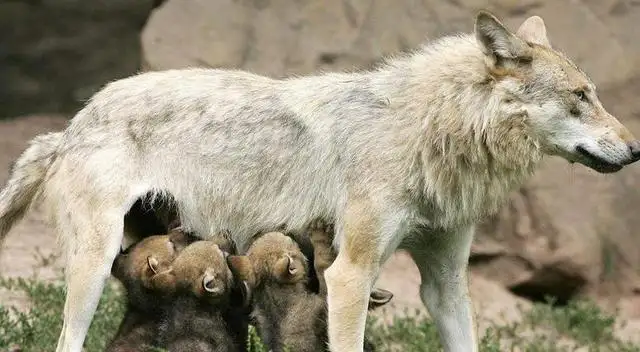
(582, 321)
(38, 328)
(255, 343)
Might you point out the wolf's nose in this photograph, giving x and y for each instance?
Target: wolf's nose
(634, 146)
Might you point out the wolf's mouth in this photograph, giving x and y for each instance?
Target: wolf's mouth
(595, 162)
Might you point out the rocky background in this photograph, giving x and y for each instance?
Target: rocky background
(568, 233)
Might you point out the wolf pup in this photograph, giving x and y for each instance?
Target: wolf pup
(410, 155)
(286, 313)
(208, 311)
(145, 307)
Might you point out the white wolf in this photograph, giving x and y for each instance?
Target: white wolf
(409, 155)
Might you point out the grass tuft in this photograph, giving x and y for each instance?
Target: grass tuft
(545, 328)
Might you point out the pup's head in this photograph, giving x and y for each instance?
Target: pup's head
(143, 260)
(271, 258)
(200, 270)
(555, 98)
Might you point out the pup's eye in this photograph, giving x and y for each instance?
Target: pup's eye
(581, 95)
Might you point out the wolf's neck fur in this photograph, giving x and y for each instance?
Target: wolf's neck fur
(471, 150)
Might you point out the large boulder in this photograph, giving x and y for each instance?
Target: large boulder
(56, 53)
(281, 37)
(569, 231)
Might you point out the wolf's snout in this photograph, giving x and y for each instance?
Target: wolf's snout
(596, 162)
(634, 147)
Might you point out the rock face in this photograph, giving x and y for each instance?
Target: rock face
(281, 37)
(569, 231)
(56, 53)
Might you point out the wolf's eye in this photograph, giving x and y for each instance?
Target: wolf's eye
(581, 95)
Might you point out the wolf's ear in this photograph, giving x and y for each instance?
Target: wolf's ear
(534, 31)
(379, 297)
(497, 41)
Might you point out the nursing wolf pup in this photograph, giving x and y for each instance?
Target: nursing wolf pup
(408, 155)
(286, 314)
(146, 308)
(208, 312)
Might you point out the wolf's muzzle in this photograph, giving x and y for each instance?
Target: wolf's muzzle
(634, 147)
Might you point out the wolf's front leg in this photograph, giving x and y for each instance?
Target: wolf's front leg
(350, 278)
(442, 259)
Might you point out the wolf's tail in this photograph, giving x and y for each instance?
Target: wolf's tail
(27, 175)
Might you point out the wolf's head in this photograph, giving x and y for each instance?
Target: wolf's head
(557, 99)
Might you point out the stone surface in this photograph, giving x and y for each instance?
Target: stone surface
(280, 37)
(56, 53)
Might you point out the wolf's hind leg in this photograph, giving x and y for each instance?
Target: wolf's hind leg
(92, 243)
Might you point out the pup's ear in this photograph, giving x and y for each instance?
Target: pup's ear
(534, 31)
(210, 284)
(181, 239)
(379, 297)
(497, 41)
(224, 240)
(246, 292)
(243, 273)
(292, 268)
(242, 269)
(164, 281)
(289, 270)
(152, 265)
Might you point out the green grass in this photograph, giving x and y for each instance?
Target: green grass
(38, 329)
(580, 322)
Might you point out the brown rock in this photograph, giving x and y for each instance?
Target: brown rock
(279, 37)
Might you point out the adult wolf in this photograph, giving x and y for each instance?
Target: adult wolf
(408, 155)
